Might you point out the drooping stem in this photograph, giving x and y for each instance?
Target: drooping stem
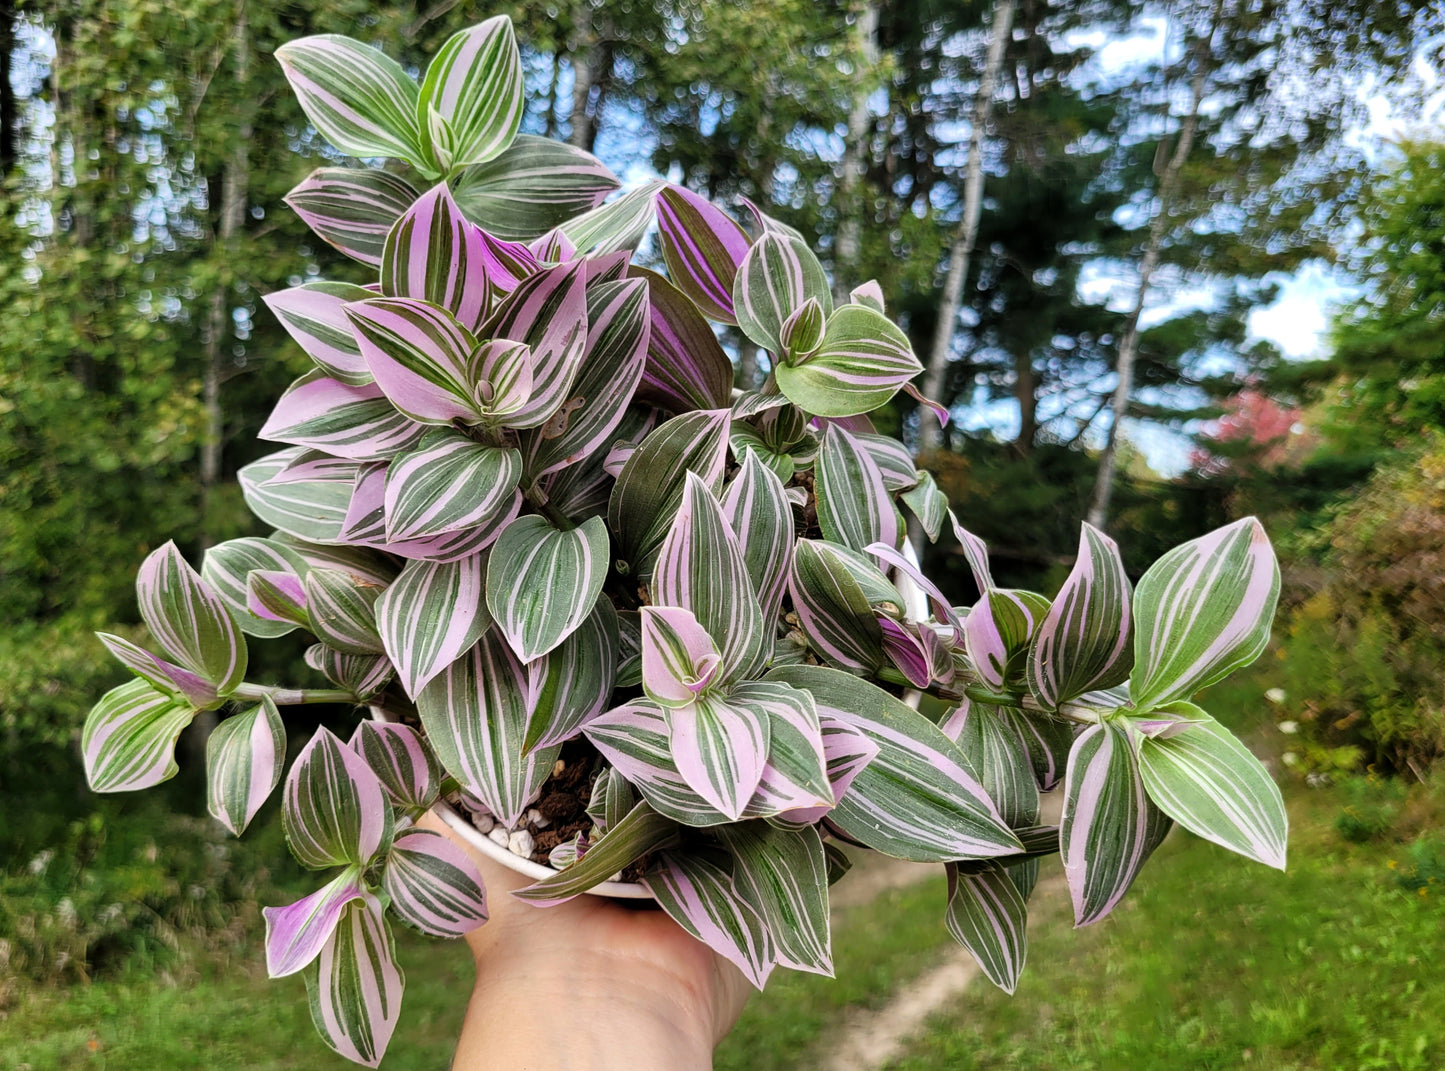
(292, 697)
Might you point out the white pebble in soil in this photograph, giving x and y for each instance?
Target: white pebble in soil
(521, 843)
(536, 818)
(484, 822)
(498, 835)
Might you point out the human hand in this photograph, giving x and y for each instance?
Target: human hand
(590, 985)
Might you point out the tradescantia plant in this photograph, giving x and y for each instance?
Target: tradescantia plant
(530, 524)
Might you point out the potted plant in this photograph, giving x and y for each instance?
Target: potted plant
(631, 631)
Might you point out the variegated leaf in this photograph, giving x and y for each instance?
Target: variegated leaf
(686, 366)
(634, 739)
(548, 312)
(357, 98)
(364, 676)
(700, 568)
(300, 492)
(314, 315)
(834, 610)
(847, 751)
(403, 763)
(333, 808)
(343, 611)
(542, 583)
(436, 254)
(918, 798)
(277, 596)
(1083, 641)
(434, 885)
(189, 620)
(356, 992)
(245, 756)
(777, 276)
(928, 504)
(998, 632)
(757, 509)
(975, 552)
(943, 613)
(296, 933)
(475, 715)
(355, 422)
(419, 354)
(699, 894)
(855, 506)
(1202, 611)
(870, 294)
(680, 660)
(532, 186)
(703, 248)
(226, 566)
(720, 746)
(643, 830)
(612, 799)
(1110, 827)
(891, 456)
(474, 84)
(796, 778)
(581, 673)
(1209, 783)
(988, 916)
(617, 225)
(649, 491)
(802, 332)
(129, 739)
(746, 441)
(783, 875)
(352, 208)
(183, 685)
(450, 483)
(430, 615)
(365, 524)
(999, 754)
(862, 362)
(360, 562)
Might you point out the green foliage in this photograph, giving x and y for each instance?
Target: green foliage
(52, 672)
(1371, 807)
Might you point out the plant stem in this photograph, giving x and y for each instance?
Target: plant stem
(290, 697)
(538, 500)
(1079, 712)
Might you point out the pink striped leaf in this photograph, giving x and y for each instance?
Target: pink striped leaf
(643, 830)
(450, 483)
(1083, 641)
(430, 614)
(334, 809)
(943, 613)
(907, 652)
(343, 611)
(534, 185)
(277, 596)
(226, 567)
(940, 412)
(757, 510)
(356, 990)
(508, 263)
(1049, 741)
(975, 552)
(891, 456)
(618, 332)
(1202, 611)
(364, 676)
(353, 208)
(783, 876)
(919, 798)
(833, 609)
(796, 777)
(928, 503)
(1000, 755)
(998, 632)
(542, 583)
(649, 491)
(129, 739)
(296, 933)
(635, 739)
(680, 660)
(746, 441)
(355, 422)
(802, 332)
(778, 275)
(554, 247)
(356, 97)
(183, 685)
(1110, 827)
(420, 357)
(190, 621)
(1211, 784)
(767, 224)
(698, 892)
(720, 746)
(703, 248)
(869, 294)
(434, 885)
(847, 750)
(360, 562)
(581, 673)
(618, 225)
(863, 360)
(301, 494)
(629, 640)
(403, 763)
(855, 506)
(475, 716)
(548, 312)
(474, 84)
(686, 366)
(700, 568)
(314, 315)
(365, 525)
(436, 254)
(987, 915)
(245, 756)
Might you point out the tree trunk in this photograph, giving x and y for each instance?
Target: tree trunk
(850, 225)
(8, 114)
(591, 70)
(930, 433)
(1129, 339)
(1024, 388)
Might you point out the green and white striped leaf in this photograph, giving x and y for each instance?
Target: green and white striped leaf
(855, 507)
(535, 184)
(356, 991)
(997, 751)
(928, 504)
(430, 614)
(314, 315)
(617, 225)
(697, 890)
(334, 809)
(1109, 827)
(450, 483)
(245, 756)
(474, 84)
(185, 686)
(189, 620)
(642, 831)
(226, 567)
(776, 277)
(355, 96)
(364, 676)
(833, 608)
(402, 761)
(542, 583)
(581, 673)
(758, 511)
(353, 208)
(988, 916)
(1210, 784)
(342, 610)
(863, 361)
(434, 885)
(129, 739)
(1202, 611)
(301, 492)
(783, 875)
